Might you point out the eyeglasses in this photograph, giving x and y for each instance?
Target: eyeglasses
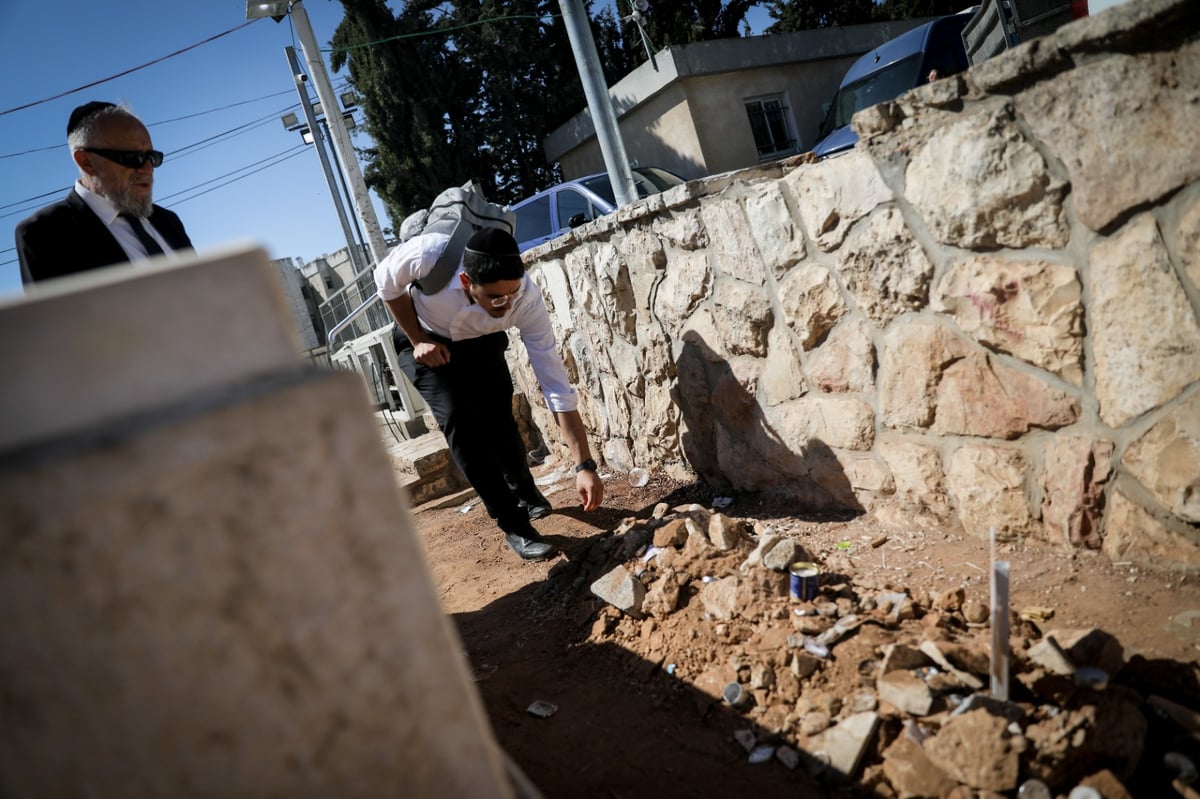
(130, 159)
(499, 301)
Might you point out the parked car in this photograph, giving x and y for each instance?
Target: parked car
(888, 71)
(556, 210)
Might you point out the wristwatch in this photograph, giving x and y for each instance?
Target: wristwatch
(587, 466)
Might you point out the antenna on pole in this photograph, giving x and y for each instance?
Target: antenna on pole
(640, 8)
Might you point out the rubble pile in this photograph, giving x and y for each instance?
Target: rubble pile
(869, 689)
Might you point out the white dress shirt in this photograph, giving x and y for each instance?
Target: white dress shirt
(451, 314)
(120, 228)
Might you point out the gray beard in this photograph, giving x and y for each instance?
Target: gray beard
(129, 205)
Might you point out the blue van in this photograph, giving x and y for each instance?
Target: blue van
(888, 71)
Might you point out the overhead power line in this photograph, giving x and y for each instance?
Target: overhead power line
(127, 71)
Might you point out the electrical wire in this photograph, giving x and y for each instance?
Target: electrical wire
(123, 73)
(437, 31)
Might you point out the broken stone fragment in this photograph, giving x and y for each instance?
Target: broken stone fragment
(672, 534)
(845, 743)
(902, 656)
(663, 596)
(622, 590)
(1091, 647)
(910, 771)
(975, 612)
(905, 691)
(725, 533)
(803, 664)
(931, 649)
(977, 749)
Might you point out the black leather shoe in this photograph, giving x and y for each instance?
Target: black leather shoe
(536, 506)
(536, 510)
(529, 547)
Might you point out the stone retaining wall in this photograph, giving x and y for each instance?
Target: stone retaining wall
(985, 315)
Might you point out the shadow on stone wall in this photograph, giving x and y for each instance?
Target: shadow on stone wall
(723, 420)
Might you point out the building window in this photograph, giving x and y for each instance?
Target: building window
(772, 130)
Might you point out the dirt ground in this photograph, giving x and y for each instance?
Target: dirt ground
(634, 716)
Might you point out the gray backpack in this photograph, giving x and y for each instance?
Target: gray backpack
(457, 212)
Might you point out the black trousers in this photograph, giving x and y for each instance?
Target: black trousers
(471, 399)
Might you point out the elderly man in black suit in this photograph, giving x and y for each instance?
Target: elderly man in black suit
(109, 217)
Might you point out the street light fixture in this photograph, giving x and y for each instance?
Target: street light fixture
(342, 146)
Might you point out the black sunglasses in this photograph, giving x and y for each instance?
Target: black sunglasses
(131, 159)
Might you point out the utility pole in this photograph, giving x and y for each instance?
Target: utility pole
(342, 146)
(319, 142)
(604, 118)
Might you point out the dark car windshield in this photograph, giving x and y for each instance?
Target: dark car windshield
(647, 180)
(886, 84)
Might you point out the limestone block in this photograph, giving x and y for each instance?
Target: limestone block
(1144, 329)
(833, 420)
(811, 303)
(777, 235)
(198, 600)
(978, 182)
(682, 230)
(988, 486)
(977, 749)
(551, 277)
(1132, 534)
(883, 268)
(731, 243)
(1166, 460)
(1187, 237)
(686, 281)
(845, 362)
(916, 468)
(158, 351)
(911, 365)
(732, 388)
(1075, 471)
(834, 194)
(1029, 309)
(782, 376)
(1098, 117)
(614, 292)
(978, 396)
(743, 316)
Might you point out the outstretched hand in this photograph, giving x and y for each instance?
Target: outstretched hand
(590, 489)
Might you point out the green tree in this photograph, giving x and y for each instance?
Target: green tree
(802, 15)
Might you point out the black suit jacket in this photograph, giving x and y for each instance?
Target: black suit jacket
(67, 237)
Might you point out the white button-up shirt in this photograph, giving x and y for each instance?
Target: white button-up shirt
(451, 314)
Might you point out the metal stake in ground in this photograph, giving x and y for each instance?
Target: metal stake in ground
(1000, 616)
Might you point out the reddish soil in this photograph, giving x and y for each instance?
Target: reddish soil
(625, 727)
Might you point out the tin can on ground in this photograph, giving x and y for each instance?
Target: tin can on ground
(804, 580)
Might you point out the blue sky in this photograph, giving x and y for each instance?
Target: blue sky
(232, 171)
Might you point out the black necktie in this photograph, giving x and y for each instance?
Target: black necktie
(148, 243)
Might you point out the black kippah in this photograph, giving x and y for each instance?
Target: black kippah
(493, 242)
(84, 111)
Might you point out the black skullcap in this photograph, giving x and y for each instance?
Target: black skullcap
(495, 243)
(84, 111)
